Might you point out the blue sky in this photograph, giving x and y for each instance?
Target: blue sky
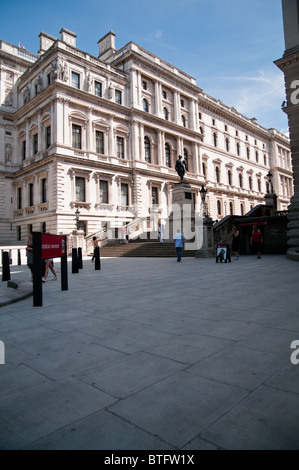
(228, 46)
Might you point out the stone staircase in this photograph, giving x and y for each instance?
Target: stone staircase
(143, 249)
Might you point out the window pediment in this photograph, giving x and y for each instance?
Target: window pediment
(77, 116)
(100, 124)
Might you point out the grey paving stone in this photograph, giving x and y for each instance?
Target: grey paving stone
(178, 408)
(99, 431)
(245, 368)
(265, 420)
(131, 374)
(43, 410)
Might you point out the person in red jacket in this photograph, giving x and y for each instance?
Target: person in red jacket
(256, 241)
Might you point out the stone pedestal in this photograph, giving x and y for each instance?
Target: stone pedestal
(271, 202)
(182, 216)
(207, 250)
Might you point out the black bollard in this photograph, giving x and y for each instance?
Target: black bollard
(19, 258)
(5, 266)
(80, 262)
(97, 259)
(75, 268)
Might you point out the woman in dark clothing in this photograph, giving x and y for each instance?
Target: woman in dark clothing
(236, 243)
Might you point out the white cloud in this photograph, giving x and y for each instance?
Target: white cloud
(259, 96)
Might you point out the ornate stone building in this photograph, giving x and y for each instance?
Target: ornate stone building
(102, 134)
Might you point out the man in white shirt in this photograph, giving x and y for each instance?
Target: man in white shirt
(179, 243)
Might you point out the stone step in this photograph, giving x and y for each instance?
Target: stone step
(143, 249)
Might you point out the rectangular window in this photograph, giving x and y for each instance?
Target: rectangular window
(19, 233)
(98, 89)
(124, 194)
(43, 190)
(30, 195)
(100, 142)
(118, 96)
(19, 198)
(120, 147)
(35, 144)
(80, 189)
(48, 137)
(76, 136)
(155, 196)
(75, 80)
(24, 149)
(103, 192)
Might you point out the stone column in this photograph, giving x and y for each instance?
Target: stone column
(158, 98)
(289, 64)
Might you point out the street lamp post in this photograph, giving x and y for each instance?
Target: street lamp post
(203, 194)
(207, 248)
(77, 214)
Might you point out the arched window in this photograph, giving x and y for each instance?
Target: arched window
(147, 149)
(167, 155)
(229, 177)
(186, 158)
(165, 112)
(145, 105)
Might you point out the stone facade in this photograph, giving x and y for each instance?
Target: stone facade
(102, 135)
(289, 64)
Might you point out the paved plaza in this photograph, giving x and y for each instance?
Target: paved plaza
(152, 354)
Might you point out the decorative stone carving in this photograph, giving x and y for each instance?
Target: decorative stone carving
(59, 70)
(27, 95)
(8, 153)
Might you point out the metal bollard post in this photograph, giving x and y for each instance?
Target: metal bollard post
(80, 262)
(75, 268)
(97, 260)
(5, 266)
(19, 258)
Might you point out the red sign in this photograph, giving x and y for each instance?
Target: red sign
(251, 224)
(53, 246)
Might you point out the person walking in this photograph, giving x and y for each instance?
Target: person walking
(236, 242)
(95, 242)
(256, 241)
(179, 243)
(49, 265)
